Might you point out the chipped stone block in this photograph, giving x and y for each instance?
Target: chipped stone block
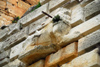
(36, 52)
(92, 9)
(34, 15)
(4, 61)
(80, 30)
(15, 39)
(3, 33)
(53, 4)
(90, 59)
(11, 27)
(1, 49)
(62, 56)
(89, 41)
(77, 15)
(5, 54)
(39, 63)
(15, 63)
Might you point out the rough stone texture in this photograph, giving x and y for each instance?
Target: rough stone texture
(15, 63)
(3, 33)
(1, 49)
(34, 53)
(85, 2)
(53, 4)
(89, 41)
(39, 63)
(92, 9)
(77, 16)
(5, 54)
(37, 25)
(33, 16)
(44, 1)
(70, 4)
(90, 59)
(3, 62)
(82, 29)
(15, 39)
(62, 56)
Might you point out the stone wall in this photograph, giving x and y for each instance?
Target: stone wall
(36, 41)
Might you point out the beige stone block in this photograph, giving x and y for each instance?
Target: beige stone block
(62, 56)
(90, 59)
(39, 63)
(81, 30)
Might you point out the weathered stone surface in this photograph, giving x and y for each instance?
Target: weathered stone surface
(15, 63)
(92, 9)
(70, 3)
(90, 59)
(62, 56)
(85, 2)
(36, 52)
(44, 1)
(3, 62)
(34, 15)
(3, 33)
(53, 4)
(77, 16)
(38, 64)
(82, 29)
(1, 49)
(5, 54)
(12, 26)
(40, 23)
(89, 41)
(15, 39)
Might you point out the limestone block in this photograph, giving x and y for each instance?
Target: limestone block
(90, 59)
(3, 62)
(33, 16)
(44, 1)
(89, 41)
(92, 9)
(5, 54)
(80, 30)
(15, 63)
(62, 56)
(39, 63)
(70, 4)
(53, 4)
(85, 2)
(15, 39)
(2, 4)
(77, 15)
(3, 33)
(36, 52)
(13, 2)
(11, 26)
(40, 23)
(23, 5)
(16, 50)
(1, 49)
(15, 10)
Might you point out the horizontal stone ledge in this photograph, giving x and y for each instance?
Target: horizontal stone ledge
(90, 59)
(44, 1)
(4, 62)
(77, 15)
(92, 9)
(39, 63)
(81, 30)
(36, 52)
(89, 42)
(62, 56)
(85, 2)
(15, 63)
(34, 15)
(15, 39)
(53, 4)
